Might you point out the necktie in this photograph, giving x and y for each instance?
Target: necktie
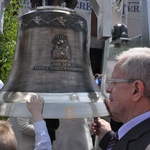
(112, 142)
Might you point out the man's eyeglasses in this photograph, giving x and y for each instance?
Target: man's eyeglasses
(112, 82)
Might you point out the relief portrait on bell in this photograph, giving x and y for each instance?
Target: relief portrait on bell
(61, 49)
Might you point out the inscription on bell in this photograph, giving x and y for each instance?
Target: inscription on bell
(59, 67)
(61, 64)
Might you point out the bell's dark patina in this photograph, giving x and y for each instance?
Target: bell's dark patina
(52, 60)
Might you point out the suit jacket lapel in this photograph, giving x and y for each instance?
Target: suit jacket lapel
(132, 134)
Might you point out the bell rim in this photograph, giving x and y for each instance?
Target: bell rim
(55, 109)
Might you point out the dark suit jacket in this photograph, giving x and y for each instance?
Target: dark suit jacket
(138, 138)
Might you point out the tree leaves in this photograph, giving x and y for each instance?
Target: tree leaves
(8, 38)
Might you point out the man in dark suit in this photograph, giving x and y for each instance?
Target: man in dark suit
(129, 91)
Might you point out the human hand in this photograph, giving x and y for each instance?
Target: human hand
(100, 127)
(107, 103)
(35, 106)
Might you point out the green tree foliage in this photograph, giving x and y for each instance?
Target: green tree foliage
(8, 38)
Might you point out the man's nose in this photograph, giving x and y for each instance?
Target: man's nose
(108, 89)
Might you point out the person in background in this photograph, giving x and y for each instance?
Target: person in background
(98, 79)
(7, 136)
(129, 91)
(42, 138)
(1, 84)
(24, 132)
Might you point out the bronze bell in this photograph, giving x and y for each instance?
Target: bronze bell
(52, 60)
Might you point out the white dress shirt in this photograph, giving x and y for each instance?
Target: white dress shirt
(42, 139)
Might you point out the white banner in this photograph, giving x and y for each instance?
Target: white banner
(84, 9)
(1, 16)
(3, 5)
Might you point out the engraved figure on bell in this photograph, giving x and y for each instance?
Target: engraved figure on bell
(37, 19)
(62, 21)
(61, 48)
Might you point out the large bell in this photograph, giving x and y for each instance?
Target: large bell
(52, 60)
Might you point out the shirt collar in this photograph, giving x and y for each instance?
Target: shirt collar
(132, 123)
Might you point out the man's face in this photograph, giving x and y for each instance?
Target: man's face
(120, 94)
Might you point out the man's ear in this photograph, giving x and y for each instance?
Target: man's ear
(138, 89)
(135, 91)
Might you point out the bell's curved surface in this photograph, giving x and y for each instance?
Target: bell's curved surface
(52, 60)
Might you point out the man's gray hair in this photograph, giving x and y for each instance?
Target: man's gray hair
(136, 65)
